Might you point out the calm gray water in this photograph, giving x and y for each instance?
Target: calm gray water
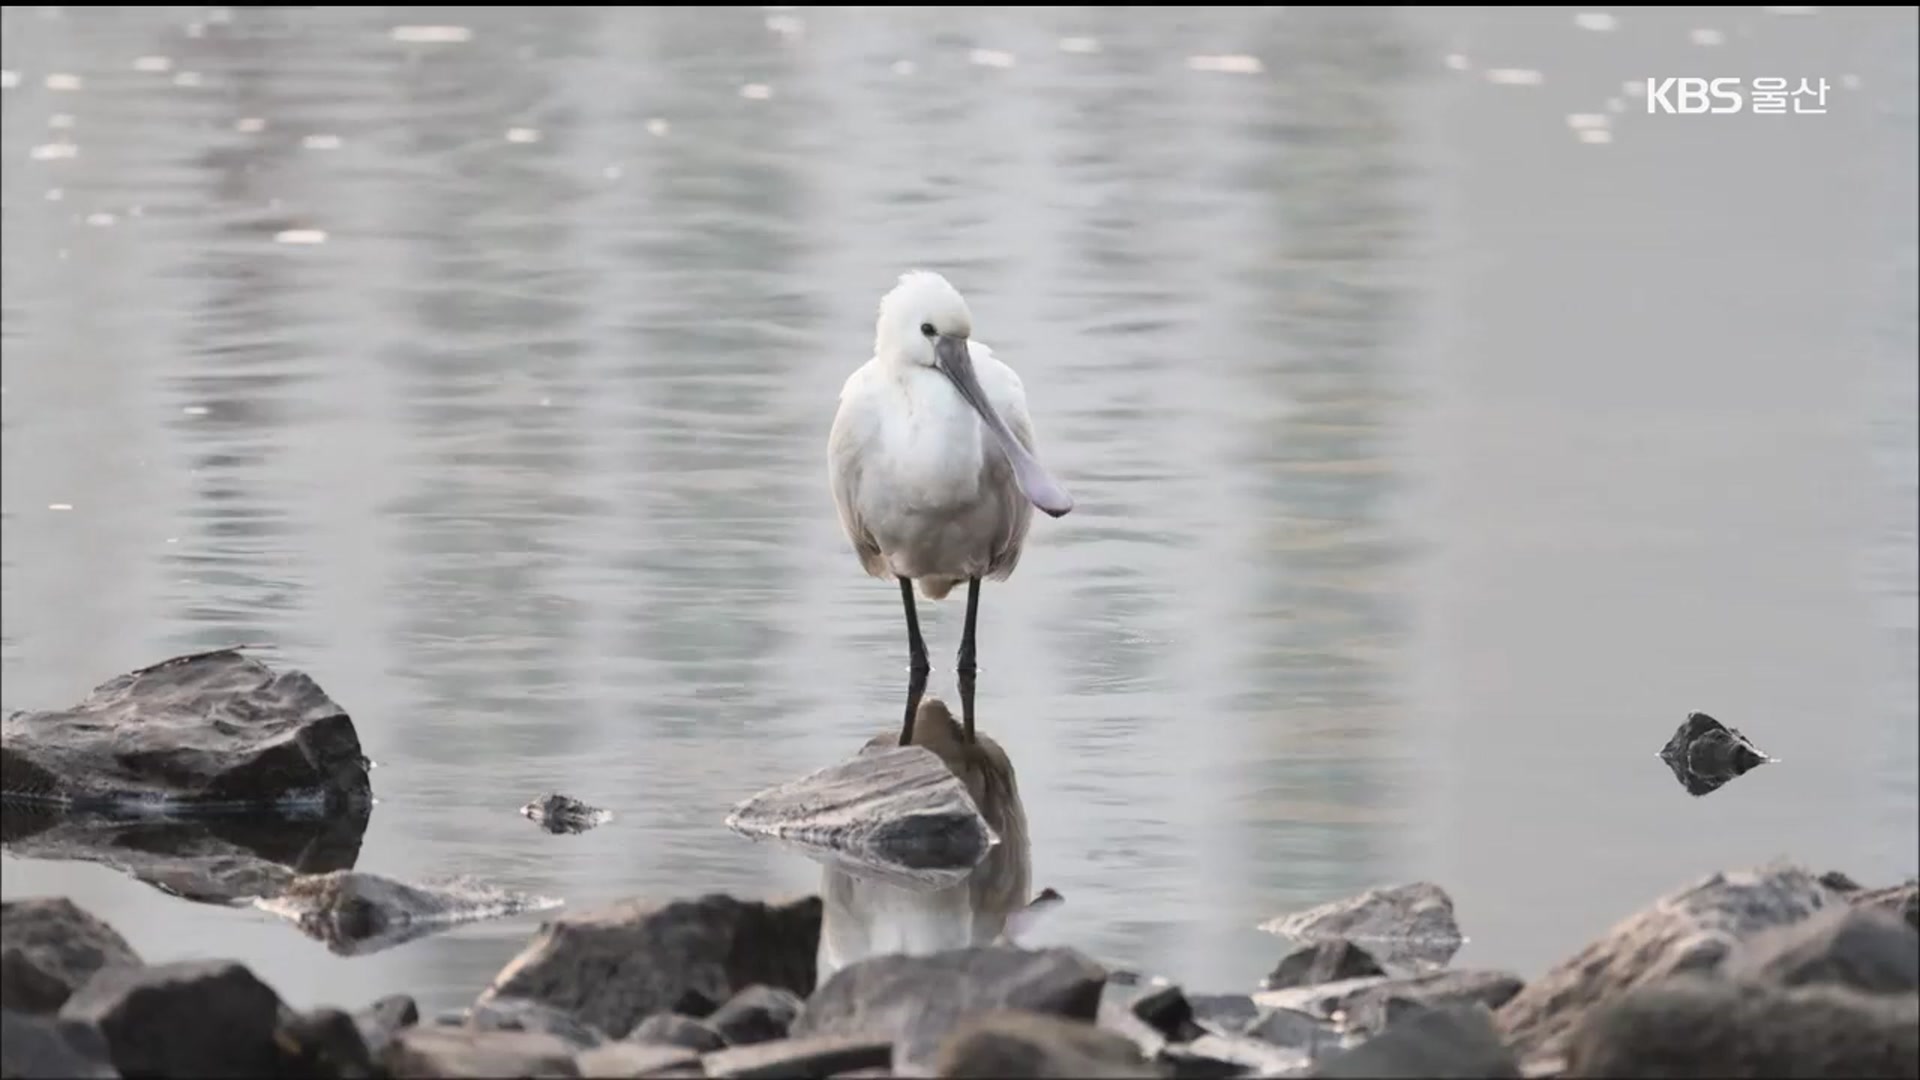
(1432, 460)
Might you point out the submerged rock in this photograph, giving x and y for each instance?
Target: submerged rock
(616, 965)
(49, 947)
(357, 913)
(890, 814)
(214, 730)
(1407, 926)
(209, 858)
(1704, 754)
(1692, 930)
(1695, 1025)
(559, 813)
(917, 1001)
(202, 1018)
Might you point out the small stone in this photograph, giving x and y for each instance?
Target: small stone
(666, 1029)
(1166, 1010)
(1328, 961)
(1704, 754)
(755, 1015)
(382, 1020)
(323, 1043)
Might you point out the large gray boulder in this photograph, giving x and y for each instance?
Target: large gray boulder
(210, 730)
(614, 966)
(49, 947)
(1690, 931)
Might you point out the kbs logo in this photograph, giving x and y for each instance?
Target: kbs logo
(1689, 96)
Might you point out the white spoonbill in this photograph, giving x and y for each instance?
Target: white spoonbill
(932, 463)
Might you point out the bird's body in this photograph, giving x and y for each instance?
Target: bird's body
(932, 466)
(862, 918)
(923, 491)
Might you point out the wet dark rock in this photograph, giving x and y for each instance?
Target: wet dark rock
(755, 1015)
(1704, 754)
(1703, 1026)
(1902, 901)
(208, 858)
(1291, 1029)
(1692, 930)
(422, 1053)
(1370, 1005)
(48, 948)
(558, 813)
(47, 1048)
(322, 1043)
(917, 1001)
(613, 966)
(357, 913)
(1116, 1014)
(1167, 1011)
(622, 1059)
(796, 1059)
(1408, 927)
(1449, 1041)
(205, 1018)
(1010, 1043)
(385, 1018)
(890, 814)
(666, 1029)
(1861, 948)
(1325, 962)
(210, 730)
(519, 1014)
(1223, 1013)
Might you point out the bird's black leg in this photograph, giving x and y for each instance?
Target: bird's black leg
(966, 655)
(917, 649)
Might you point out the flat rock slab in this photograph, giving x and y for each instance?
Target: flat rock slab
(357, 913)
(798, 1059)
(1370, 1005)
(614, 966)
(890, 814)
(420, 1053)
(212, 859)
(49, 947)
(1408, 927)
(1689, 931)
(1704, 754)
(210, 731)
(915, 1002)
(559, 813)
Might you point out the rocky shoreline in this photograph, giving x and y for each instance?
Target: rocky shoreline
(1771, 971)
(249, 787)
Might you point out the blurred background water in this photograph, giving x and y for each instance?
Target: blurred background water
(1443, 428)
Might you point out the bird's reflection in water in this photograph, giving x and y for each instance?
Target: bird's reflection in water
(864, 918)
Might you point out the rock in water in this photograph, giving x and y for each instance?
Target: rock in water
(1692, 930)
(1698, 1026)
(211, 730)
(617, 965)
(890, 814)
(1704, 754)
(183, 1019)
(1406, 926)
(206, 858)
(357, 913)
(49, 948)
(1329, 961)
(916, 1001)
(559, 813)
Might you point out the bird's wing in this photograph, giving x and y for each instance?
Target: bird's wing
(853, 426)
(1009, 398)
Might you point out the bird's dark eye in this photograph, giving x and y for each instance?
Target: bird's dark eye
(927, 329)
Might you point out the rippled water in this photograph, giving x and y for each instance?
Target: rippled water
(1433, 459)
